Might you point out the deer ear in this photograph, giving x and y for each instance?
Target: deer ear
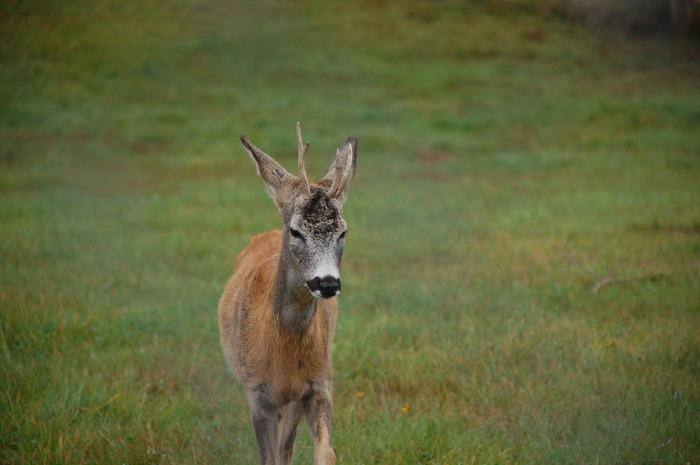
(342, 170)
(272, 173)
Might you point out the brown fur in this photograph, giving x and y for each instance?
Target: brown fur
(255, 343)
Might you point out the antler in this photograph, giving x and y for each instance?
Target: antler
(342, 175)
(302, 148)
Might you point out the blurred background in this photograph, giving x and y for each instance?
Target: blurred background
(521, 273)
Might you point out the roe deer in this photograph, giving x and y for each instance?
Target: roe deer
(277, 314)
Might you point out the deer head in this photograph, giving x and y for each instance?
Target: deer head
(314, 229)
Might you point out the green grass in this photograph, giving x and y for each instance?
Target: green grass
(501, 150)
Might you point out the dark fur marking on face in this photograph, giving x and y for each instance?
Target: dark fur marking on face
(321, 215)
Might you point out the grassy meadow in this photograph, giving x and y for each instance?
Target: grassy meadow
(510, 160)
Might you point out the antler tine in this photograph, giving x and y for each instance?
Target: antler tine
(302, 148)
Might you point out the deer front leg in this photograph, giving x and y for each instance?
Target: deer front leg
(290, 415)
(319, 410)
(265, 417)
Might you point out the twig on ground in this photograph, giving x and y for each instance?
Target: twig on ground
(580, 265)
(649, 277)
(603, 281)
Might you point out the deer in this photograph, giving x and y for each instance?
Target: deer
(277, 314)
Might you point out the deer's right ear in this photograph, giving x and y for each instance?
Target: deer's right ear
(271, 172)
(341, 171)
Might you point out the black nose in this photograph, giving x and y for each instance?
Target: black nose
(327, 287)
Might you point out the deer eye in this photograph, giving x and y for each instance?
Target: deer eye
(295, 233)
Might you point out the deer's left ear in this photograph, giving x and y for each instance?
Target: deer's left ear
(274, 176)
(342, 171)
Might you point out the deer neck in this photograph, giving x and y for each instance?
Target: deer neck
(293, 301)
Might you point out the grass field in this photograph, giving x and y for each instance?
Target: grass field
(509, 161)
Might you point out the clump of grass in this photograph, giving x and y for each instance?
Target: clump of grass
(641, 17)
